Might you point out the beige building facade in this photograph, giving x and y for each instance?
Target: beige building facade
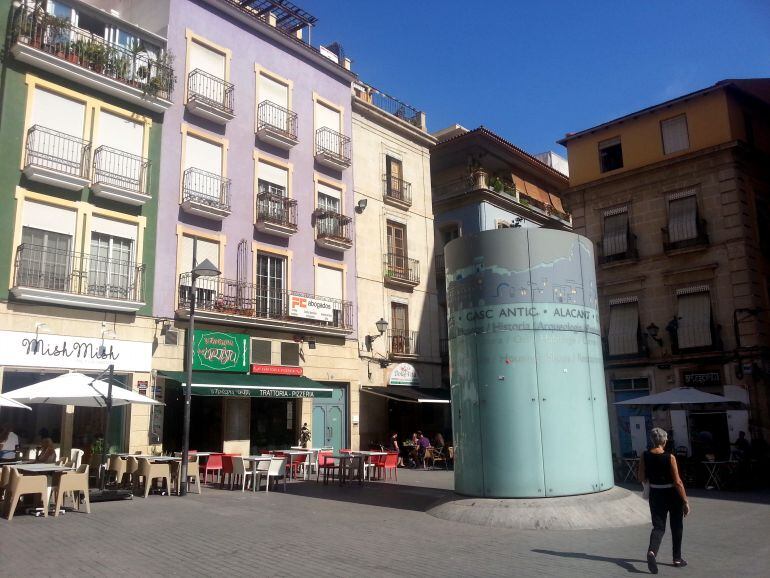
(676, 199)
(394, 275)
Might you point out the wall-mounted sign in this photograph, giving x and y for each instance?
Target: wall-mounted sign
(702, 378)
(142, 387)
(253, 391)
(404, 374)
(23, 349)
(307, 308)
(275, 369)
(215, 351)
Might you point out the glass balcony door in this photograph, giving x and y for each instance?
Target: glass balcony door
(271, 274)
(110, 266)
(48, 262)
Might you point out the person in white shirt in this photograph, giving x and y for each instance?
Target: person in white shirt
(8, 443)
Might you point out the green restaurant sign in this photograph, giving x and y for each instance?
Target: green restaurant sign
(215, 351)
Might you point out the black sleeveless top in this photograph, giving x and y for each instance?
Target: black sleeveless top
(657, 467)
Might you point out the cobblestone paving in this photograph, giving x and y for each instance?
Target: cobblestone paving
(380, 529)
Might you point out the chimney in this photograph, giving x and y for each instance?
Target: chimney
(271, 19)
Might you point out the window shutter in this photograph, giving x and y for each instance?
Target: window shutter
(202, 154)
(328, 283)
(273, 91)
(207, 60)
(58, 113)
(624, 328)
(326, 117)
(615, 239)
(273, 174)
(49, 218)
(120, 133)
(694, 312)
(205, 250)
(682, 218)
(675, 137)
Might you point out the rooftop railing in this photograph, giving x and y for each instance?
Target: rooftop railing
(393, 106)
(210, 90)
(257, 301)
(57, 151)
(64, 271)
(120, 169)
(151, 73)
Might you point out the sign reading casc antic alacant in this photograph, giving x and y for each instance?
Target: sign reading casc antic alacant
(216, 351)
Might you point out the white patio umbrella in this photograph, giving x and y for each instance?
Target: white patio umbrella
(79, 390)
(8, 402)
(677, 396)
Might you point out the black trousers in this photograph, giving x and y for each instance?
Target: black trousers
(663, 502)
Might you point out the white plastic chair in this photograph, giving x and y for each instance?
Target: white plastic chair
(76, 457)
(240, 473)
(276, 469)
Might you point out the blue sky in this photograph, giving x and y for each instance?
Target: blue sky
(532, 71)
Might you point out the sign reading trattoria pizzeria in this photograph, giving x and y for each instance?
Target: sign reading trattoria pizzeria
(216, 351)
(404, 374)
(307, 308)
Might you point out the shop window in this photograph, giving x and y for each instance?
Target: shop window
(694, 317)
(623, 335)
(289, 353)
(610, 155)
(261, 351)
(674, 132)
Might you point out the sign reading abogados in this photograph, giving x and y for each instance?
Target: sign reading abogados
(215, 351)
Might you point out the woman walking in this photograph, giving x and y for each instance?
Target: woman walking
(667, 497)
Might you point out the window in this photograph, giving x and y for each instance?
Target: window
(261, 351)
(694, 317)
(675, 137)
(623, 334)
(631, 384)
(615, 235)
(205, 289)
(289, 353)
(395, 177)
(682, 216)
(396, 233)
(399, 322)
(276, 112)
(329, 198)
(110, 266)
(206, 68)
(46, 261)
(272, 179)
(328, 129)
(271, 275)
(610, 155)
(120, 133)
(203, 162)
(449, 233)
(327, 117)
(329, 283)
(58, 113)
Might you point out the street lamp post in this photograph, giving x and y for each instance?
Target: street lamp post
(204, 269)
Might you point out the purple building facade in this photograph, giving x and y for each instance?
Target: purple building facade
(256, 174)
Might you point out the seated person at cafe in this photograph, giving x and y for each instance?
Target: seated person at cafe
(9, 441)
(47, 453)
(438, 441)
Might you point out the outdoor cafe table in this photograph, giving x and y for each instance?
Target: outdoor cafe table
(48, 470)
(369, 454)
(254, 463)
(292, 453)
(632, 465)
(346, 465)
(716, 470)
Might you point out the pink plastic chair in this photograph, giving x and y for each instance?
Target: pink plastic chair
(391, 464)
(213, 464)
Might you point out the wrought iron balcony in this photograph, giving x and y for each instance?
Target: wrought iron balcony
(120, 176)
(402, 343)
(210, 97)
(443, 348)
(401, 270)
(276, 213)
(47, 275)
(276, 125)
(56, 158)
(205, 194)
(333, 230)
(631, 252)
(397, 191)
(332, 149)
(54, 44)
(440, 268)
(240, 303)
(699, 239)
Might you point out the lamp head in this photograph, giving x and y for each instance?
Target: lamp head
(381, 325)
(206, 269)
(361, 205)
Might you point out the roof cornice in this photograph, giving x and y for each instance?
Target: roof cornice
(393, 123)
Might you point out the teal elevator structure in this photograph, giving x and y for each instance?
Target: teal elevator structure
(529, 405)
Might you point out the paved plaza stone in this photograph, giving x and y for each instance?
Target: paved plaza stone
(380, 529)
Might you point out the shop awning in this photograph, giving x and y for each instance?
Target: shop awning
(409, 394)
(223, 384)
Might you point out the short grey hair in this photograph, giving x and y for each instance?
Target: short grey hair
(658, 436)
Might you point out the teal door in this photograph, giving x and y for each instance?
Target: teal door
(330, 419)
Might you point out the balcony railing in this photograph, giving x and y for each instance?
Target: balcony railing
(57, 37)
(332, 144)
(395, 107)
(397, 189)
(701, 238)
(39, 267)
(331, 225)
(631, 251)
(401, 268)
(255, 301)
(210, 91)
(278, 209)
(57, 151)
(443, 348)
(206, 188)
(403, 342)
(274, 117)
(120, 169)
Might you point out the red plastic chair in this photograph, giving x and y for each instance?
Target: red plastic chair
(326, 463)
(391, 464)
(227, 468)
(296, 464)
(213, 464)
(379, 465)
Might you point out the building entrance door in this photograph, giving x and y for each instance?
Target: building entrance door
(330, 419)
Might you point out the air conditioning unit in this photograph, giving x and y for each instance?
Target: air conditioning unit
(170, 334)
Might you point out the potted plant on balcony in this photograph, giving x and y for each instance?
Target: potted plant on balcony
(58, 29)
(478, 174)
(97, 54)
